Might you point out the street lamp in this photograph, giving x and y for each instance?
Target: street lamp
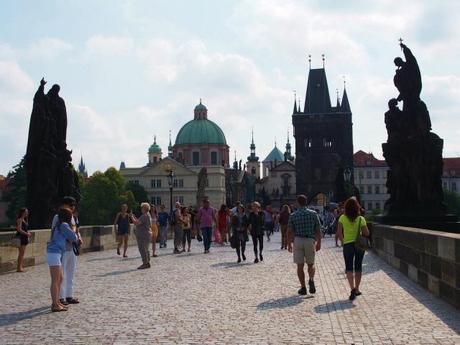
(170, 171)
(347, 175)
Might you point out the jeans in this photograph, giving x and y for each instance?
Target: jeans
(163, 235)
(258, 239)
(186, 237)
(69, 266)
(350, 254)
(177, 236)
(240, 244)
(207, 237)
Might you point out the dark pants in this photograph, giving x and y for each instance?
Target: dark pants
(258, 239)
(186, 237)
(177, 237)
(350, 254)
(240, 244)
(207, 237)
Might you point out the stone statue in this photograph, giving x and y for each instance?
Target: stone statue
(413, 153)
(202, 184)
(49, 171)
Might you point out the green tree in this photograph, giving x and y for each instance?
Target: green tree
(140, 194)
(452, 200)
(102, 195)
(16, 190)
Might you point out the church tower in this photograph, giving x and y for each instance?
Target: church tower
(288, 157)
(323, 138)
(154, 152)
(253, 164)
(82, 168)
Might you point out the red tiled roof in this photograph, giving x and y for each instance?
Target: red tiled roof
(451, 167)
(363, 159)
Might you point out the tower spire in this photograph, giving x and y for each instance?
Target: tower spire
(295, 103)
(309, 61)
(252, 156)
(322, 55)
(170, 147)
(345, 107)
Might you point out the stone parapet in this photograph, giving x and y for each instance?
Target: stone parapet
(430, 258)
(95, 238)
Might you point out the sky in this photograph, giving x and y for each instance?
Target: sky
(130, 70)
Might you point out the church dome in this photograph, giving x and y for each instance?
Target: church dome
(275, 155)
(154, 148)
(200, 130)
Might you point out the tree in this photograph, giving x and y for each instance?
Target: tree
(102, 195)
(16, 190)
(140, 194)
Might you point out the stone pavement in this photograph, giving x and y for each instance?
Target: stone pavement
(209, 299)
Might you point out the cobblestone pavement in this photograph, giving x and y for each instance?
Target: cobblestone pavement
(194, 298)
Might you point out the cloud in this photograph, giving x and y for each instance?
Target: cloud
(47, 48)
(100, 45)
(13, 79)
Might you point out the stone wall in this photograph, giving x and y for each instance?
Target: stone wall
(430, 258)
(95, 238)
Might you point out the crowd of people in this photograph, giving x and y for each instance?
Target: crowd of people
(299, 225)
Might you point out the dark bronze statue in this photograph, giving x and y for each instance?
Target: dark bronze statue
(412, 151)
(50, 173)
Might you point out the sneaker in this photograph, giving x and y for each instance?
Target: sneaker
(352, 295)
(239, 260)
(71, 300)
(256, 260)
(261, 257)
(311, 286)
(143, 266)
(302, 291)
(244, 257)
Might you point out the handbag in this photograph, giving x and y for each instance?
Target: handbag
(15, 241)
(233, 241)
(76, 248)
(362, 243)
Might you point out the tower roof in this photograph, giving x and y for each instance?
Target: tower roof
(275, 155)
(317, 99)
(154, 148)
(345, 107)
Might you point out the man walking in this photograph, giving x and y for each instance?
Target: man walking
(163, 222)
(178, 234)
(205, 218)
(304, 231)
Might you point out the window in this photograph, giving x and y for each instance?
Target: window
(444, 185)
(307, 143)
(195, 158)
(134, 181)
(369, 205)
(178, 183)
(327, 142)
(361, 189)
(369, 189)
(454, 186)
(377, 205)
(377, 189)
(213, 158)
(361, 174)
(175, 183)
(181, 183)
(179, 157)
(155, 183)
(377, 174)
(369, 173)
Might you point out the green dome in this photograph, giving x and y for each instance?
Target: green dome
(275, 155)
(200, 131)
(200, 107)
(154, 148)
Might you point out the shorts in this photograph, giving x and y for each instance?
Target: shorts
(304, 250)
(54, 259)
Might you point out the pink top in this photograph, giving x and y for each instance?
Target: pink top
(206, 216)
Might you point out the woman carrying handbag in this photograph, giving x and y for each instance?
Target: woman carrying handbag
(350, 227)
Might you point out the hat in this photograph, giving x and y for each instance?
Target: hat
(69, 200)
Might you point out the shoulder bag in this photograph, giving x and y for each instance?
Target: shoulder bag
(362, 242)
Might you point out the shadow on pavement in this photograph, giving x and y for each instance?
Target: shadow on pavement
(115, 273)
(12, 318)
(332, 307)
(232, 264)
(281, 303)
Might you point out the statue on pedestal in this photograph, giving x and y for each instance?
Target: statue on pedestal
(412, 151)
(50, 173)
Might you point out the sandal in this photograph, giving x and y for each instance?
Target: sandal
(58, 308)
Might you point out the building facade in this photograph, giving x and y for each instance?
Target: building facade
(200, 143)
(370, 177)
(323, 138)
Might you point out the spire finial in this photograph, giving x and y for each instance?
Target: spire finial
(169, 137)
(235, 155)
(200, 100)
(309, 61)
(252, 135)
(344, 82)
(322, 55)
(288, 136)
(155, 139)
(275, 141)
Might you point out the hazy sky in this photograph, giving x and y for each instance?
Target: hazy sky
(131, 69)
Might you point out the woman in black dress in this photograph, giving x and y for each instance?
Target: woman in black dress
(23, 234)
(257, 222)
(239, 223)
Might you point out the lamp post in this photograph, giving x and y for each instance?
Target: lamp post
(347, 178)
(170, 175)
